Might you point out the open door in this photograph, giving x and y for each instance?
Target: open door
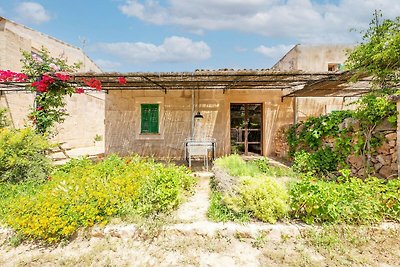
(246, 129)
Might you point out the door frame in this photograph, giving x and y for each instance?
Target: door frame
(262, 126)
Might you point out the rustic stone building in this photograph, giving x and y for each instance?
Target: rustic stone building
(86, 111)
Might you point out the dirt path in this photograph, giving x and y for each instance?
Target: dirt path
(195, 209)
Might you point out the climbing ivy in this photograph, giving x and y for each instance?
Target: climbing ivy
(378, 57)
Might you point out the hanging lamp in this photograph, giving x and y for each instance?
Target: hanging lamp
(198, 116)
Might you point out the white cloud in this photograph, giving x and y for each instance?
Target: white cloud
(107, 65)
(306, 20)
(32, 12)
(173, 49)
(274, 52)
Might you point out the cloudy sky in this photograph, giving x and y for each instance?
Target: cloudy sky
(184, 35)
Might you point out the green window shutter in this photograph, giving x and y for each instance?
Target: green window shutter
(149, 118)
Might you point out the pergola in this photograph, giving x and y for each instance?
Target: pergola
(292, 83)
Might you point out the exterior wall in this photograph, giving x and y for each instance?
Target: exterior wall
(123, 119)
(315, 106)
(313, 58)
(86, 119)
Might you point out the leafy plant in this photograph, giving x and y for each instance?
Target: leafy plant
(4, 122)
(262, 197)
(81, 194)
(348, 200)
(220, 212)
(22, 156)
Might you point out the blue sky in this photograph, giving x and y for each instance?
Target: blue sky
(184, 35)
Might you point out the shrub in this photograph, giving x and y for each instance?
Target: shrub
(81, 194)
(321, 162)
(4, 122)
(349, 200)
(22, 155)
(261, 197)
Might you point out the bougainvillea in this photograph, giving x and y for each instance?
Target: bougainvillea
(51, 79)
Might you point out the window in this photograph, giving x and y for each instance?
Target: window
(149, 118)
(335, 66)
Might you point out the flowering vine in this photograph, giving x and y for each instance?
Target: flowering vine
(50, 78)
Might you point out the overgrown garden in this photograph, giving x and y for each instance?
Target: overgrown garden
(327, 190)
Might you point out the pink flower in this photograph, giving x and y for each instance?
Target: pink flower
(54, 67)
(122, 80)
(93, 83)
(79, 90)
(62, 77)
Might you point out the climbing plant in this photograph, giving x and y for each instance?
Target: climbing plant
(51, 80)
(378, 57)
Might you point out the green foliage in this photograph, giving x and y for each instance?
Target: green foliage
(4, 122)
(262, 197)
(321, 162)
(309, 135)
(256, 195)
(378, 57)
(81, 194)
(378, 54)
(10, 191)
(236, 166)
(22, 156)
(348, 200)
(219, 212)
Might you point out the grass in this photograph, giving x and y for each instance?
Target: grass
(219, 212)
(236, 166)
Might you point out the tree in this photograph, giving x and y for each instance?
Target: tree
(378, 57)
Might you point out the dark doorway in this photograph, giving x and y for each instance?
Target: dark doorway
(246, 129)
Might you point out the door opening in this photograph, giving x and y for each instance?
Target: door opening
(246, 129)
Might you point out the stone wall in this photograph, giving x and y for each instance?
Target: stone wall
(383, 162)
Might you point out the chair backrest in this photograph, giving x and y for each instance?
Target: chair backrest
(197, 150)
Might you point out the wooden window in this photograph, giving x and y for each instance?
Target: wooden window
(149, 118)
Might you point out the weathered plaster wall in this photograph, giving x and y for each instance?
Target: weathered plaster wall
(86, 111)
(313, 58)
(123, 119)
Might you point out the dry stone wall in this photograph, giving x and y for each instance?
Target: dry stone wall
(383, 162)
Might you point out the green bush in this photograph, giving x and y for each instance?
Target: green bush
(351, 200)
(22, 155)
(4, 122)
(321, 162)
(262, 197)
(81, 194)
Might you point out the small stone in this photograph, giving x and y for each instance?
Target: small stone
(391, 137)
(392, 143)
(393, 166)
(384, 149)
(386, 171)
(98, 234)
(384, 159)
(355, 161)
(377, 166)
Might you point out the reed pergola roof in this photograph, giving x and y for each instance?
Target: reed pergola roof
(293, 83)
